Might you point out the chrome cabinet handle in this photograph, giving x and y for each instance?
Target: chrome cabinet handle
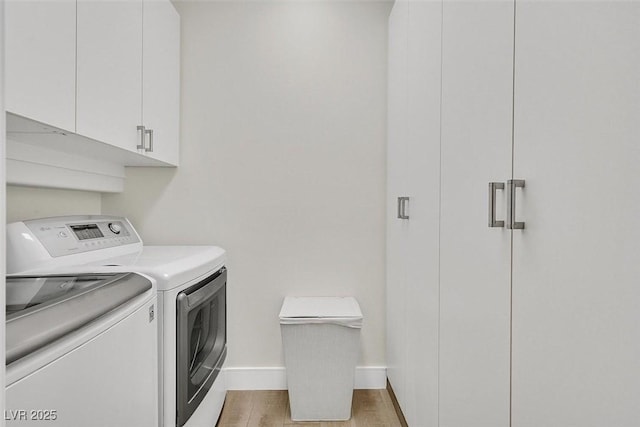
(405, 202)
(142, 131)
(402, 207)
(150, 133)
(493, 187)
(512, 184)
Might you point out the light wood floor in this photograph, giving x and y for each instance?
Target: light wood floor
(371, 408)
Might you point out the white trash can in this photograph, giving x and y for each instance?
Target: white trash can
(321, 340)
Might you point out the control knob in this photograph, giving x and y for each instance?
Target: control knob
(116, 228)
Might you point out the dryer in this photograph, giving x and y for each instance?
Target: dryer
(191, 290)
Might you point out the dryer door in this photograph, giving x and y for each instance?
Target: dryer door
(201, 341)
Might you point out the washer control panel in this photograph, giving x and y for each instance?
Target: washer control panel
(67, 236)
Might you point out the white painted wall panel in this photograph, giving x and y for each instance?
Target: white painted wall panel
(29, 202)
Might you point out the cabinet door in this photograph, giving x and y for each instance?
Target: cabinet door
(475, 282)
(576, 275)
(423, 178)
(41, 61)
(109, 75)
(161, 78)
(397, 249)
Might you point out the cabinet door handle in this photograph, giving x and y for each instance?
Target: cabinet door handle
(142, 131)
(150, 133)
(402, 207)
(512, 184)
(493, 187)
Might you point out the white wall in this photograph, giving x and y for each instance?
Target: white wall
(30, 202)
(282, 161)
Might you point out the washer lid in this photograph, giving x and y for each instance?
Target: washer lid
(343, 311)
(42, 309)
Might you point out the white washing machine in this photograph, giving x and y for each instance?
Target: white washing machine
(81, 350)
(191, 287)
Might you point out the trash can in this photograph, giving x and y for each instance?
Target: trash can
(321, 340)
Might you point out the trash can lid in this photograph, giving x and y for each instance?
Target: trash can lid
(337, 310)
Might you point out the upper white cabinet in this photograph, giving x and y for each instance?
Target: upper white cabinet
(41, 61)
(161, 80)
(109, 72)
(94, 79)
(129, 79)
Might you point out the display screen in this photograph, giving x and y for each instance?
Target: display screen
(87, 231)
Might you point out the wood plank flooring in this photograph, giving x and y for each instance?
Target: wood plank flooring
(270, 408)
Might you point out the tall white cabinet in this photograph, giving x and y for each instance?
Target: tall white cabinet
(397, 233)
(576, 269)
(413, 173)
(423, 170)
(477, 95)
(537, 326)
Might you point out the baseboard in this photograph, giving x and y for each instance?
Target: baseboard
(367, 377)
(256, 378)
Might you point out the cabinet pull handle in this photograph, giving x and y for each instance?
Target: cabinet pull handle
(402, 207)
(150, 133)
(141, 129)
(493, 187)
(512, 184)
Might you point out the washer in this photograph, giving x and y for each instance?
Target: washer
(80, 350)
(191, 293)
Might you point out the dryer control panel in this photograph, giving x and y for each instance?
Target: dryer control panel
(72, 235)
